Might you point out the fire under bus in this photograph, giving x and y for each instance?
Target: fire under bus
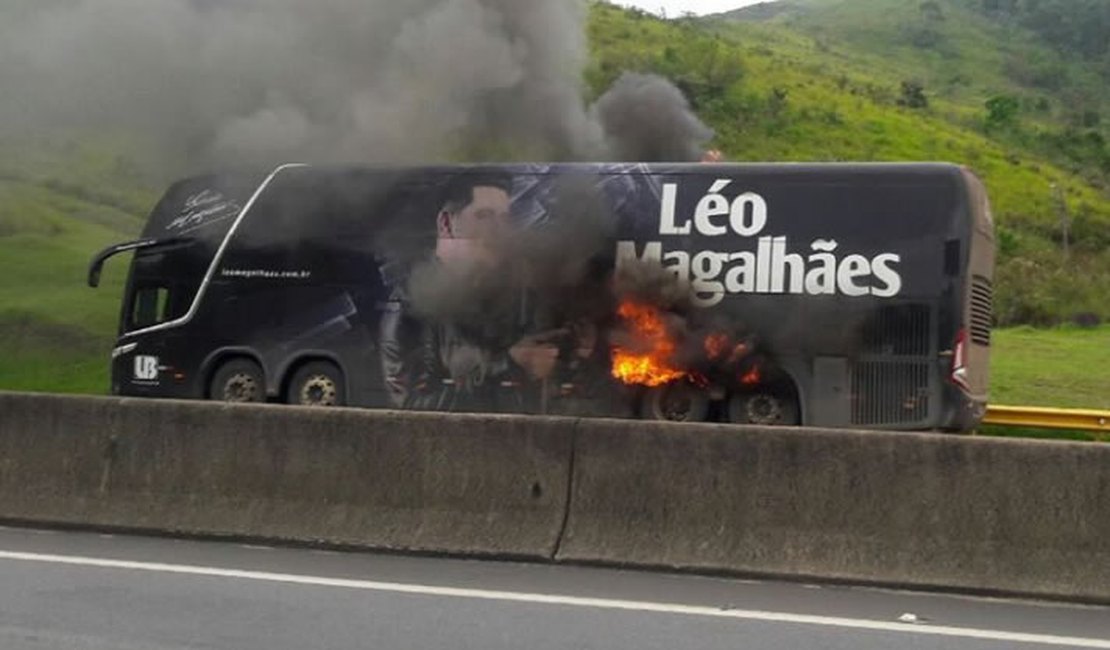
(838, 295)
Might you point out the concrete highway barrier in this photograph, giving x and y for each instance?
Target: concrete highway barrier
(423, 482)
(923, 510)
(998, 515)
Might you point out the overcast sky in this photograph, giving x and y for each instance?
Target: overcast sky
(678, 7)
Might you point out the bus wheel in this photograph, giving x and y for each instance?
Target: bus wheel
(238, 380)
(764, 406)
(318, 383)
(678, 401)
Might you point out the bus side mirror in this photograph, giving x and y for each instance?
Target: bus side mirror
(98, 261)
(94, 272)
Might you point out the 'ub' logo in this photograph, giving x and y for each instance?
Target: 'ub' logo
(146, 367)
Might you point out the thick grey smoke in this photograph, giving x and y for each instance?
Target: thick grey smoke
(556, 267)
(645, 117)
(551, 279)
(261, 81)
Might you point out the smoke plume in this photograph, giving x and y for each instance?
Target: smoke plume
(539, 278)
(645, 117)
(264, 81)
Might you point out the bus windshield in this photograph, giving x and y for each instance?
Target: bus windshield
(163, 282)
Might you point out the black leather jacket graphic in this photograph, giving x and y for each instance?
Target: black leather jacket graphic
(442, 367)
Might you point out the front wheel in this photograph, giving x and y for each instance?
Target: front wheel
(676, 402)
(318, 383)
(238, 380)
(765, 407)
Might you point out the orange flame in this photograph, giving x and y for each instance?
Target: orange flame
(751, 377)
(712, 156)
(653, 367)
(738, 352)
(715, 345)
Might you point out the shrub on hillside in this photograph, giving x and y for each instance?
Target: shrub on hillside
(1043, 288)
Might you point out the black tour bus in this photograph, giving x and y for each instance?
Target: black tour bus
(844, 295)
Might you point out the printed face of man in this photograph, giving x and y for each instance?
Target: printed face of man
(486, 215)
(472, 231)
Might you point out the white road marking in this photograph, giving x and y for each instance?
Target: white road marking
(571, 601)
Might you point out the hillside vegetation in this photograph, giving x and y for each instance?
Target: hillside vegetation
(993, 84)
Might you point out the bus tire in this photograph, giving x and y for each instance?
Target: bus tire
(238, 380)
(764, 406)
(678, 401)
(317, 383)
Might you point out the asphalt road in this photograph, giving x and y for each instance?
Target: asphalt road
(84, 591)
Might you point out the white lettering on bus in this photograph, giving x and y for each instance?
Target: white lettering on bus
(768, 267)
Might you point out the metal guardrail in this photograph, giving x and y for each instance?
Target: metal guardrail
(1049, 418)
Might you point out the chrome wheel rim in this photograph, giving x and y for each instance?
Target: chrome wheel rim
(240, 387)
(674, 404)
(319, 390)
(764, 409)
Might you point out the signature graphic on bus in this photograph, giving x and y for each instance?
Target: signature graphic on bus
(767, 266)
(203, 209)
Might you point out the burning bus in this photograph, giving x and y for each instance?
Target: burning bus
(840, 295)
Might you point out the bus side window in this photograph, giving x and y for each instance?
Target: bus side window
(151, 307)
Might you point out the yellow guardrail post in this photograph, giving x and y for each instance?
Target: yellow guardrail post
(1049, 418)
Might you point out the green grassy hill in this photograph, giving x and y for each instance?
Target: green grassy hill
(953, 80)
(62, 199)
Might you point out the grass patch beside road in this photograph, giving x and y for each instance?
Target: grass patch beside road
(1066, 367)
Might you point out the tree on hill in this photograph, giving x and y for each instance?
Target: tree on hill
(1002, 111)
(913, 95)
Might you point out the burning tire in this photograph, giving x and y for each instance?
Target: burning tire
(318, 383)
(764, 406)
(238, 380)
(678, 401)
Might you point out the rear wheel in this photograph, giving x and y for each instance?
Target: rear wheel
(318, 383)
(676, 402)
(765, 406)
(238, 380)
